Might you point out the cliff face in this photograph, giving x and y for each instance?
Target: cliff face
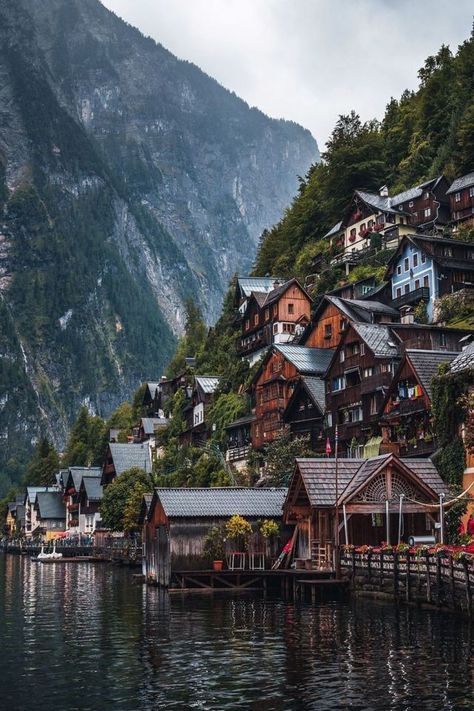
(129, 181)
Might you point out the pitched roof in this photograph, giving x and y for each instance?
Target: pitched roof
(208, 383)
(33, 491)
(93, 488)
(275, 294)
(316, 389)
(263, 284)
(360, 309)
(319, 477)
(221, 502)
(152, 387)
(50, 504)
(76, 475)
(334, 230)
(378, 202)
(465, 181)
(426, 363)
(151, 424)
(260, 297)
(464, 360)
(126, 456)
(366, 468)
(308, 361)
(246, 420)
(378, 338)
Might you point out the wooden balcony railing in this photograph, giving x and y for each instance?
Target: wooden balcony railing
(372, 383)
(413, 297)
(347, 396)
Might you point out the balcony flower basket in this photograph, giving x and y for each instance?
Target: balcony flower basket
(352, 238)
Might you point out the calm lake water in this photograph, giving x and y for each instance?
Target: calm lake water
(84, 637)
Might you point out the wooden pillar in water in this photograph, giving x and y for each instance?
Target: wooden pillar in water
(468, 587)
(428, 581)
(408, 581)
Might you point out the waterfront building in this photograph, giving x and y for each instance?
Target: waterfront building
(89, 498)
(177, 521)
(31, 517)
(122, 457)
(366, 505)
(50, 512)
(72, 480)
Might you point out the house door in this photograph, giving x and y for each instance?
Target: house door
(163, 556)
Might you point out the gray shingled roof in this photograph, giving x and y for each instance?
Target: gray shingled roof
(334, 230)
(360, 309)
(319, 476)
(77, 474)
(93, 488)
(316, 388)
(308, 361)
(264, 284)
(33, 491)
(260, 297)
(152, 387)
(465, 181)
(126, 456)
(463, 361)
(246, 420)
(366, 468)
(50, 505)
(222, 502)
(378, 202)
(208, 383)
(151, 424)
(378, 338)
(426, 363)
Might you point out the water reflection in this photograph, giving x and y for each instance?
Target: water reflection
(80, 637)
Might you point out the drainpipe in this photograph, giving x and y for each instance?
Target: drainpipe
(400, 519)
(387, 517)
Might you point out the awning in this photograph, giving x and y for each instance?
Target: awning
(372, 447)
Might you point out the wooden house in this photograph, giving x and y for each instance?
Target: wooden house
(51, 513)
(89, 498)
(152, 399)
(366, 288)
(359, 374)
(305, 411)
(273, 318)
(31, 517)
(406, 411)
(428, 337)
(425, 268)
(273, 385)
(461, 200)
(367, 493)
(245, 286)
(239, 434)
(333, 314)
(122, 457)
(196, 410)
(15, 517)
(372, 218)
(157, 395)
(176, 523)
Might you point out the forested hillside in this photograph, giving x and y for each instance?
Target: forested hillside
(422, 134)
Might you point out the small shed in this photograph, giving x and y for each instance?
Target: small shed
(176, 522)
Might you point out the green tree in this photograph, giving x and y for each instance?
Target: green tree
(121, 502)
(43, 465)
(87, 441)
(280, 458)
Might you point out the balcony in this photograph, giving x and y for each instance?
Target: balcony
(348, 396)
(413, 297)
(254, 344)
(374, 382)
(420, 448)
(408, 406)
(236, 454)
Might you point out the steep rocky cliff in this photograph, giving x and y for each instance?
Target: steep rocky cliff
(129, 181)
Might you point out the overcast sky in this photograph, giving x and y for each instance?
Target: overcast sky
(305, 60)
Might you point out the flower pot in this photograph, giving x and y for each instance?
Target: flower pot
(217, 564)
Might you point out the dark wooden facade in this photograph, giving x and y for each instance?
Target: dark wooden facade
(461, 200)
(304, 414)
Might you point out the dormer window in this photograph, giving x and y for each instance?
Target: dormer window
(457, 197)
(410, 204)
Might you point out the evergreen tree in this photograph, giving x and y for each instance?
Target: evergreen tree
(43, 465)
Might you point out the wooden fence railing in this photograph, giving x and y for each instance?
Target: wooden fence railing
(437, 578)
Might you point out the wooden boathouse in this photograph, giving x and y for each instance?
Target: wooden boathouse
(176, 522)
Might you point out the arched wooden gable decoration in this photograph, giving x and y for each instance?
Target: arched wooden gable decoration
(388, 485)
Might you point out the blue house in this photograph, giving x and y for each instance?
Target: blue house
(425, 268)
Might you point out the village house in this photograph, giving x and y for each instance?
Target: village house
(425, 268)
(31, 515)
(89, 498)
(196, 410)
(406, 410)
(157, 395)
(177, 521)
(239, 443)
(305, 412)
(361, 369)
(72, 484)
(15, 518)
(363, 289)
(275, 317)
(375, 220)
(50, 513)
(369, 494)
(273, 385)
(122, 457)
(246, 285)
(333, 314)
(461, 200)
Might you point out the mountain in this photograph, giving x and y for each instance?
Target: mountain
(130, 181)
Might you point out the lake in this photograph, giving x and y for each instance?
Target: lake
(83, 637)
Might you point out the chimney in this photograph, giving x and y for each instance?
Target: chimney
(383, 191)
(406, 315)
(276, 283)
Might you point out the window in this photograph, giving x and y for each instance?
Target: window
(275, 328)
(410, 204)
(370, 224)
(338, 383)
(362, 349)
(247, 324)
(275, 310)
(291, 308)
(399, 292)
(423, 258)
(406, 264)
(417, 283)
(255, 320)
(470, 254)
(457, 197)
(407, 288)
(327, 330)
(329, 419)
(447, 252)
(442, 340)
(343, 321)
(368, 372)
(342, 356)
(399, 269)
(427, 211)
(414, 215)
(373, 405)
(353, 232)
(426, 281)
(415, 260)
(471, 191)
(426, 196)
(267, 314)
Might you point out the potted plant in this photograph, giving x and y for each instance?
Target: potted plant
(269, 529)
(239, 530)
(214, 546)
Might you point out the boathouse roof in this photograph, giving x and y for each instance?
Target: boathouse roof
(222, 502)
